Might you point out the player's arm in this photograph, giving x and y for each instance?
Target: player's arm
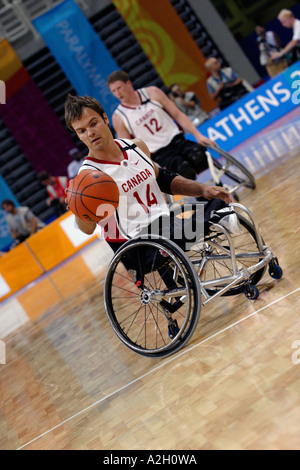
(33, 225)
(290, 45)
(172, 183)
(119, 127)
(158, 95)
(186, 187)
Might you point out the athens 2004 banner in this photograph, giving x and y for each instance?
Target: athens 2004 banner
(79, 51)
(255, 111)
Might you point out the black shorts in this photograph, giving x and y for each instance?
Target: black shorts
(181, 231)
(182, 156)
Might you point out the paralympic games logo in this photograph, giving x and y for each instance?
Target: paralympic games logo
(2, 92)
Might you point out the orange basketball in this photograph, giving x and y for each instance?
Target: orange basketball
(92, 195)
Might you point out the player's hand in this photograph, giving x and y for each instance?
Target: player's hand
(275, 55)
(67, 198)
(205, 141)
(211, 192)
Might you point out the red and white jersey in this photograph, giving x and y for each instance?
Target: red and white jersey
(149, 122)
(141, 201)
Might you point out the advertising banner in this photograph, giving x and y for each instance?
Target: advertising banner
(79, 51)
(255, 111)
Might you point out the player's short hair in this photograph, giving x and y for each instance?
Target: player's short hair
(285, 14)
(43, 176)
(118, 75)
(210, 61)
(74, 106)
(8, 202)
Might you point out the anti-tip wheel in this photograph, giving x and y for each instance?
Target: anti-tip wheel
(275, 271)
(251, 292)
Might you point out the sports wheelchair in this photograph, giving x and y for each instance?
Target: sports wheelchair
(227, 171)
(154, 290)
(222, 170)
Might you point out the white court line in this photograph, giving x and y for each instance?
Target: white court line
(173, 358)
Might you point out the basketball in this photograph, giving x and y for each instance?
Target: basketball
(90, 190)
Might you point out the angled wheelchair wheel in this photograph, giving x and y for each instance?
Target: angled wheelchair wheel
(212, 259)
(228, 171)
(152, 296)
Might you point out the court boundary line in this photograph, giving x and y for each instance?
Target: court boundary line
(155, 369)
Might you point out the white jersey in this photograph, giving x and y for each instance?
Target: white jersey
(149, 122)
(141, 201)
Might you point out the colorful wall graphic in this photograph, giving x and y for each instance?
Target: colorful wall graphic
(168, 45)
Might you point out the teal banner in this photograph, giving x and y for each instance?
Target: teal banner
(5, 193)
(79, 51)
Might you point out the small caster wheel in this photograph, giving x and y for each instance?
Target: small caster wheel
(173, 329)
(275, 271)
(251, 292)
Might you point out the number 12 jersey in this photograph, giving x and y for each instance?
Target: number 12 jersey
(149, 122)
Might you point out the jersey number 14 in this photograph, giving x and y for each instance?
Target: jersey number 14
(151, 199)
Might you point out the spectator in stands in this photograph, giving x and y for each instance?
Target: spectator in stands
(269, 42)
(224, 84)
(288, 20)
(56, 186)
(21, 221)
(74, 166)
(188, 103)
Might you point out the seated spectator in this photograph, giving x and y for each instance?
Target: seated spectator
(188, 103)
(269, 42)
(56, 186)
(288, 20)
(224, 84)
(21, 221)
(74, 166)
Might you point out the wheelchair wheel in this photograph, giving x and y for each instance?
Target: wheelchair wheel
(215, 250)
(152, 296)
(230, 172)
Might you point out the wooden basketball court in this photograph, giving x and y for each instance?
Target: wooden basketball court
(68, 382)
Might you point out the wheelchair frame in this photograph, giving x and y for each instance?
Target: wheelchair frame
(238, 275)
(179, 304)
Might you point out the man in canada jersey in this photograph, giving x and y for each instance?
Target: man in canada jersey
(140, 181)
(148, 114)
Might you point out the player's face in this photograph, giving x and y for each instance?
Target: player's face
(121, 90)
(92, 129)
(215, 65)
(287, 21)
(8, 207)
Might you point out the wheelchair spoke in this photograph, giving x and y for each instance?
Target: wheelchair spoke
(156, 305)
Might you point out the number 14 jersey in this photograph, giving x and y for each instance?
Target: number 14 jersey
(141, 201)
(149, 122)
